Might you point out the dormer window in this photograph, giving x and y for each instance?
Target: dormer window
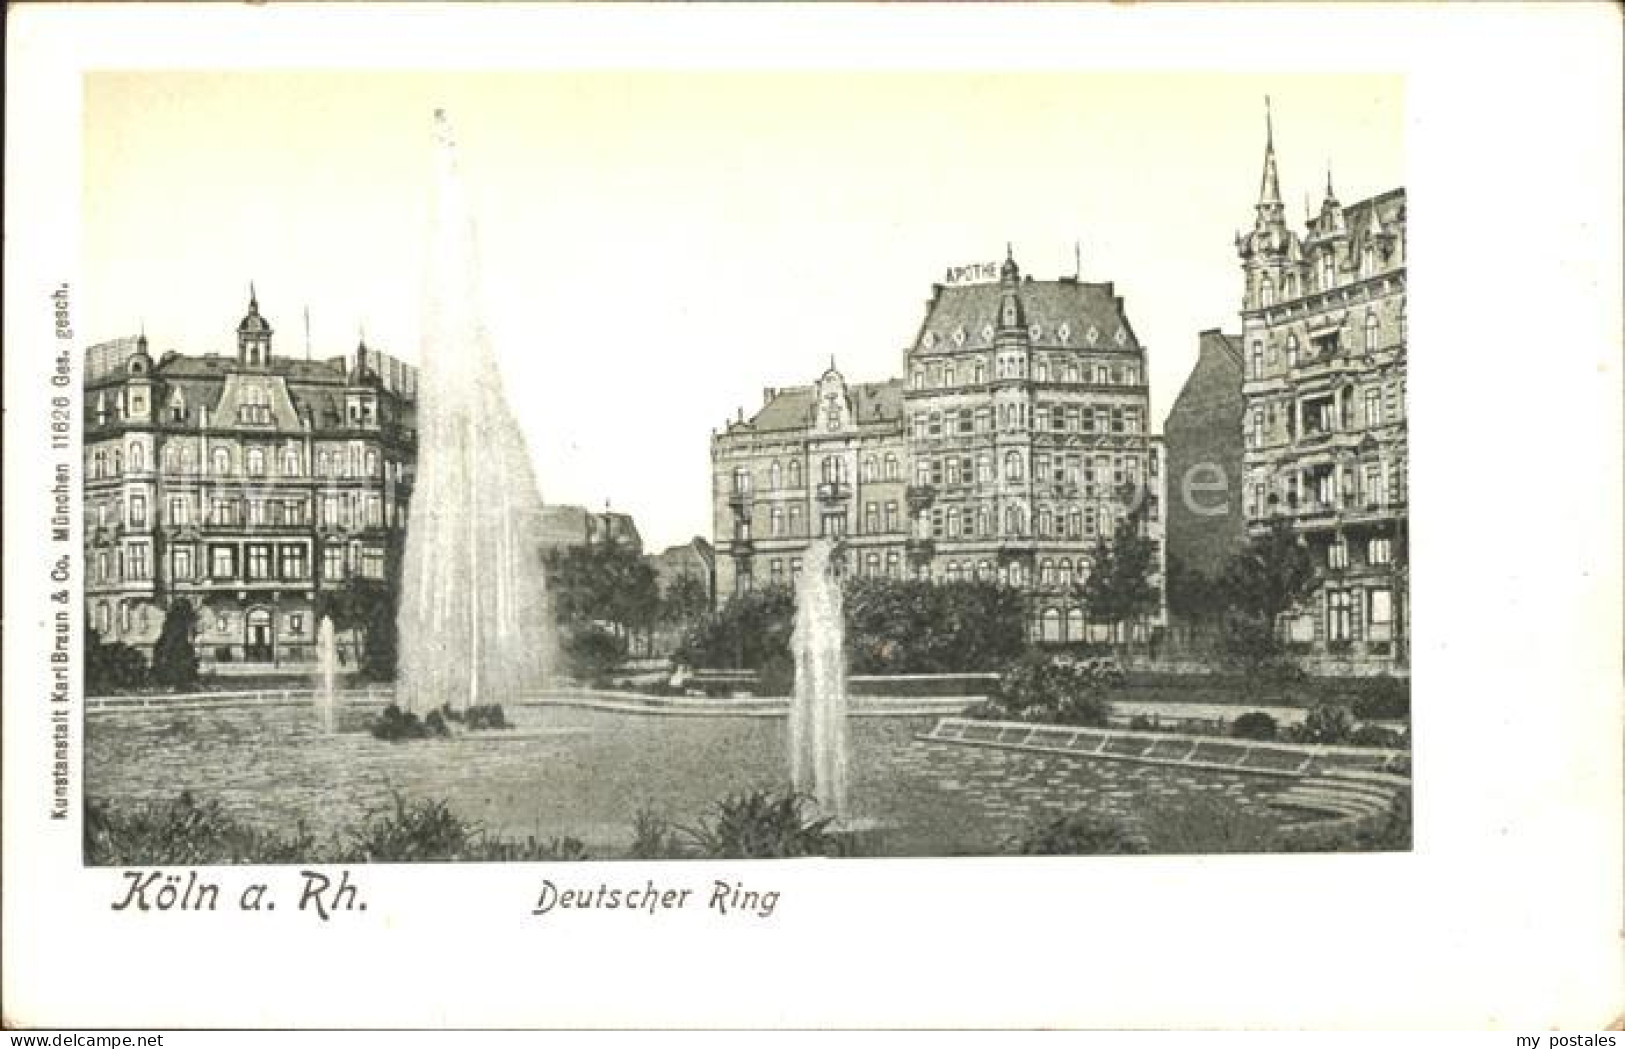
(252, 407)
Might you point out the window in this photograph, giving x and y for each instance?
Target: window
(1370, 331)
(138, 510)
(953, 522)
(290, 462)
(252, 408)
(292, 563)
(741, 481)
(871, 517)
(375, 511)
(1103, 375)
(967, 421)
(254, 462)
(222, 461)
(795, 473)
(948, 375)
(773, 476)
(934, 425)
(870, 469)
(1337, 555)
(296, 624)
(372, 562)
(333, 562)
(222, 562)
(795, 520)
(1258, 359)
(893, 564)
(775, 518)
(1266, 291)
(180, 560)
(919, 378)
(1380, 551)
(979, 373)
(138, 458)
(1043, 371)
(259, 561)
(1012, 466)
(833, 524)
(1328, 270)
(1258, 427)
(1373, 485)
(1382, 607)
(891, 517)
(1015, 522)
(1338, 618)
(892, 473)
(138, 561)
(1291, 351)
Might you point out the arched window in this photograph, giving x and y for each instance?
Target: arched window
(795, 520)
(871, 469)
(138, 457)
(1064, 571)
(795, 473)
(1046, 572)
(254, 462)
(773, 477)
(1074, 624)
(776, 518)
(1052, 625)
(1012, 466)
(891, 467)
(1266, 291)
(1258, 359)
(222, 461)
(1015, 521)
(1328, 270)
(1370, 331)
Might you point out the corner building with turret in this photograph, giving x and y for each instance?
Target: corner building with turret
(248, 484)
(1016, 439)
(1325, 430)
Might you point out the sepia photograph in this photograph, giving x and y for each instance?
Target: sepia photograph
(813, 516)
(997, 577)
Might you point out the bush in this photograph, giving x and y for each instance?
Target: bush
(1254, 725)
(1078, 834)
(428, 830)
(1378, 736)
(479, 716)
(395, 724)
(654, 838)
(591, 652)
(1045, 688)
(762, 824)
(1325, 724)
(184, 832)
(1386, 698)
(112, 667)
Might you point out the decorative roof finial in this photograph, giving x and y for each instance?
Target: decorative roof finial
(253, 299)
(1329, 194)
(1269, 125)
(1269, 193)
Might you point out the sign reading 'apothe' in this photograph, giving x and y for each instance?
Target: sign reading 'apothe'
(976, 271)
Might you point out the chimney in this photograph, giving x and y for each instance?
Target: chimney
(768, 393)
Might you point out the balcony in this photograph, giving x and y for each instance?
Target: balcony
(740, 501)
(834, 491)
(920, 496)
(741, 547)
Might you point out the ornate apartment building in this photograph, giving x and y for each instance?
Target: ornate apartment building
(1323, 338)
(247, 484)
(1017, 438)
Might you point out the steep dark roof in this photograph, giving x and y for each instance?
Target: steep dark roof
(1048, 305)
(792, 408)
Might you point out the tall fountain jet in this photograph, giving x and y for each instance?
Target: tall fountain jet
(327, 662)
(818, 743)
(474, 623)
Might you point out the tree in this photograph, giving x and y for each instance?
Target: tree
(366, 608)
(111, 667)
(684, 600)
(606, 583)
(1275, 573)
(1118, 588)
(174, 658)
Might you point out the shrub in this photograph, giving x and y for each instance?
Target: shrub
(1386, 698)
(1254, 725)
(778, 676)
(1045, 688)
(591, 652)
(479, 716)
(184, 832)
(1078, 834)
(1378, 736)
(1325, 724)
(428, 830)
(112, 667)
(395, 724)
(654, 838)
(761, 824)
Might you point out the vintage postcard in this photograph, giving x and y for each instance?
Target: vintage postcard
(808, 540)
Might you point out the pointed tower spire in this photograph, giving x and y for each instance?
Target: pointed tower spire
(1330, 195)
(1269, 191)
(253, 299)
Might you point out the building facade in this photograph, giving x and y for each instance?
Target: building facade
(1324, 345)
(1017, 438)
(247, 484)
(563, 526)
(1206, 524)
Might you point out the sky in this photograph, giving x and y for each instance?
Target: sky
(658, 247)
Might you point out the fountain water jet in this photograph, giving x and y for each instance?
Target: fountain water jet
(326, 673)
(474, 624)
(818, 707)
